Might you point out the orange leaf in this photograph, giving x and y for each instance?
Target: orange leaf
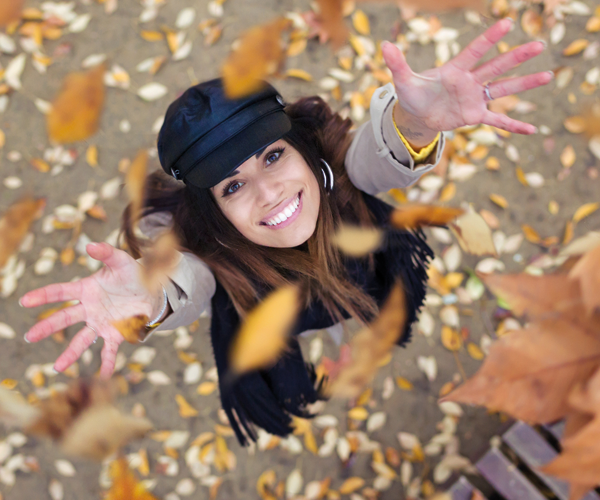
(186, 410)
(259, 55)
(134, 183)
(575, 47)
(125, 486)
(10, 11)
(414, 216)
(584, 210)
(160, 259)
(531, 234)
(76, 110)
(521, 176)
(587, 272)
(332, 20)
(133, 329)
(15, 224)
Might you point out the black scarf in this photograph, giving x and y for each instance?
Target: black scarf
(267, 398)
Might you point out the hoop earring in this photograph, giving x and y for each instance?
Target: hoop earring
(327, 178)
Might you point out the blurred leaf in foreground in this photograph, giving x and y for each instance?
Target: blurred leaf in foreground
(15, 224)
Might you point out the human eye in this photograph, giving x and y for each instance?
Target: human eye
(273, 155)
(227, 189)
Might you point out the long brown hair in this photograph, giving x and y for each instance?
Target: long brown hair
(239, 264)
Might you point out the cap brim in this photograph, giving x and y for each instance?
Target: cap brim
(232, 153)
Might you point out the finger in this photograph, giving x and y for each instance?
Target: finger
(80, 342)
(57, 292)
(56, 322)
(108, 254)
(469, 56)
(502, 63)
(109, 357)
(499, 120)
(516, 85)
(395, 61)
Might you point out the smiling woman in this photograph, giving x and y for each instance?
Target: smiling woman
(265, 186)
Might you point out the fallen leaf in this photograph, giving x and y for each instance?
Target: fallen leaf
(159, 260)
(350, 485)
(415, 216)
(587, 272)
(473, 234)
(331, 18)
(567, 157)
(532, 22)
(125, 486)
(76, 110)
(499, 200)
(259, 55)
(360, 21)
(10, 11)
(15, 224)
(575, 47)
(186, 410)
(583, 211)
(531, 234)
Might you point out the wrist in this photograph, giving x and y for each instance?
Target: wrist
(413, 128)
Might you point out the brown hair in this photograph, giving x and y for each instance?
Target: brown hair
(239, 264)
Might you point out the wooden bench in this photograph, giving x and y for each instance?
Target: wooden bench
(511, 471)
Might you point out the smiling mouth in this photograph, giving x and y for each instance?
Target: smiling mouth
(285, 216)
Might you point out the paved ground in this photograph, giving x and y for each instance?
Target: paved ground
(413, 411)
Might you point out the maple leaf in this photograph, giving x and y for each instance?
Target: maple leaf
(75, 112)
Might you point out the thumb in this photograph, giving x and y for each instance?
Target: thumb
(108, 254)
(395, 61)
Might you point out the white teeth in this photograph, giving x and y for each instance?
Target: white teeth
(277, 220)
(287, 212)
(283, 217)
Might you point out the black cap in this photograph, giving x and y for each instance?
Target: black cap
(206, 135)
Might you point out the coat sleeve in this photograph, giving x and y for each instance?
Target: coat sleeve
(191, 285)
(377, 159)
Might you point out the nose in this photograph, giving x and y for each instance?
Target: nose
(269, 192)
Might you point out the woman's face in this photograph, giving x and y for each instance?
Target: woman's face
(272, 198)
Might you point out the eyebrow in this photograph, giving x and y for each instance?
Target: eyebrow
(236, 172)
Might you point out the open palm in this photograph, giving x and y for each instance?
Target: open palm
(452, 95)
(112, 293)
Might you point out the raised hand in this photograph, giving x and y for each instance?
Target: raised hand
(112, 293)
(454, 95)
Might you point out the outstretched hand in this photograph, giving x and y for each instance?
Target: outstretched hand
(453, 95)
(112, 293)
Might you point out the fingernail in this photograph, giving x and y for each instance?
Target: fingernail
(551, 73)
(55, 371)
(26, 340)
(510, 19)
(536, 130)
(543, 42)
(21, 303)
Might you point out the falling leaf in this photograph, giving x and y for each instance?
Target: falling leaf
(135, 180)
(414, 216)
(159, 260)
(584, 210)
(259, 55)
(125, 486)
(357, 241)
(133, 329)
(75, 113)
(360, 21)
(473, 234)
(14, 410)
(331, 17)
(575, 47)
(371, 345)
(10, 11)
(15, 224)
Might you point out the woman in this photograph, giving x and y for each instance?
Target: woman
(264, 188)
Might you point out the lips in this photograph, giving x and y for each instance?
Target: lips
(283, 208)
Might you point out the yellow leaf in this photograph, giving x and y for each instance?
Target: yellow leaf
(213, 35)
(91, 156)
(473, 234)
(451, 339)
(15, 223)
(206, 388)
(575, 47)
(40, 165)
(358, 413)
(135, 180)
(9, 383)
(492, 163)
(133, 329)
(351, 484)
(331, 17)
(360, 21)
(521, 176)
(258, 56)
(263, 335)
(414, 216)
(357, 241)
(296, 47)
(398, 195)
(567, 157)
(124, 483)
(446, 389)
(10, 11)
(310, 442)
(75, 112)
(159, 260)
(365, 397)
(453, 280)
(404, 384)
(593, 24)
(584, 210)
(553, 207)
(152, 36)
(479, 153)
(186, 410)
(569, 230)
(575, 124)
(300, 74)
(532, 22)
(448, 192)
(531, 234)
(266, 482)
(67, 256)
(499, 200)
(474, 351)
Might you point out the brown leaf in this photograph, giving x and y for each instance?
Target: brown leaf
(10, 11)
(575, 47)
(473, 234)
(14, 410)
(133, 329)
(102, 430)
(134, 183)
(159, 260)
(75, 112)
(259, 55)
(15, 223)
(125, 486)
(414, 216)
(371, 345)
(531, 234)
(532, 22)
(575, 124)
(587, 273)
(263, 335)
(331, 17)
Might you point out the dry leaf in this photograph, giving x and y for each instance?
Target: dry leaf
(10, 11)
(583, 211)
(414, 216)
(186, 410)
(263, 335)
(351, 484)
(75, 112)
(15, 224)
(473, 234)
(360, 21)
(135, 180)
(331, 18)
(587, 272)
(259, 55)
(451, 339)
(357, 241)
(159, 260)
(14, 410)
(575, 124)
(532, 22)
(531, 234)
(567, 157)
(499, 200)
(575, 47)
(125, 486)
(371, 345)
(133, 329)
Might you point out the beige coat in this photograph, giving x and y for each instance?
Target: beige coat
(377, 161)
